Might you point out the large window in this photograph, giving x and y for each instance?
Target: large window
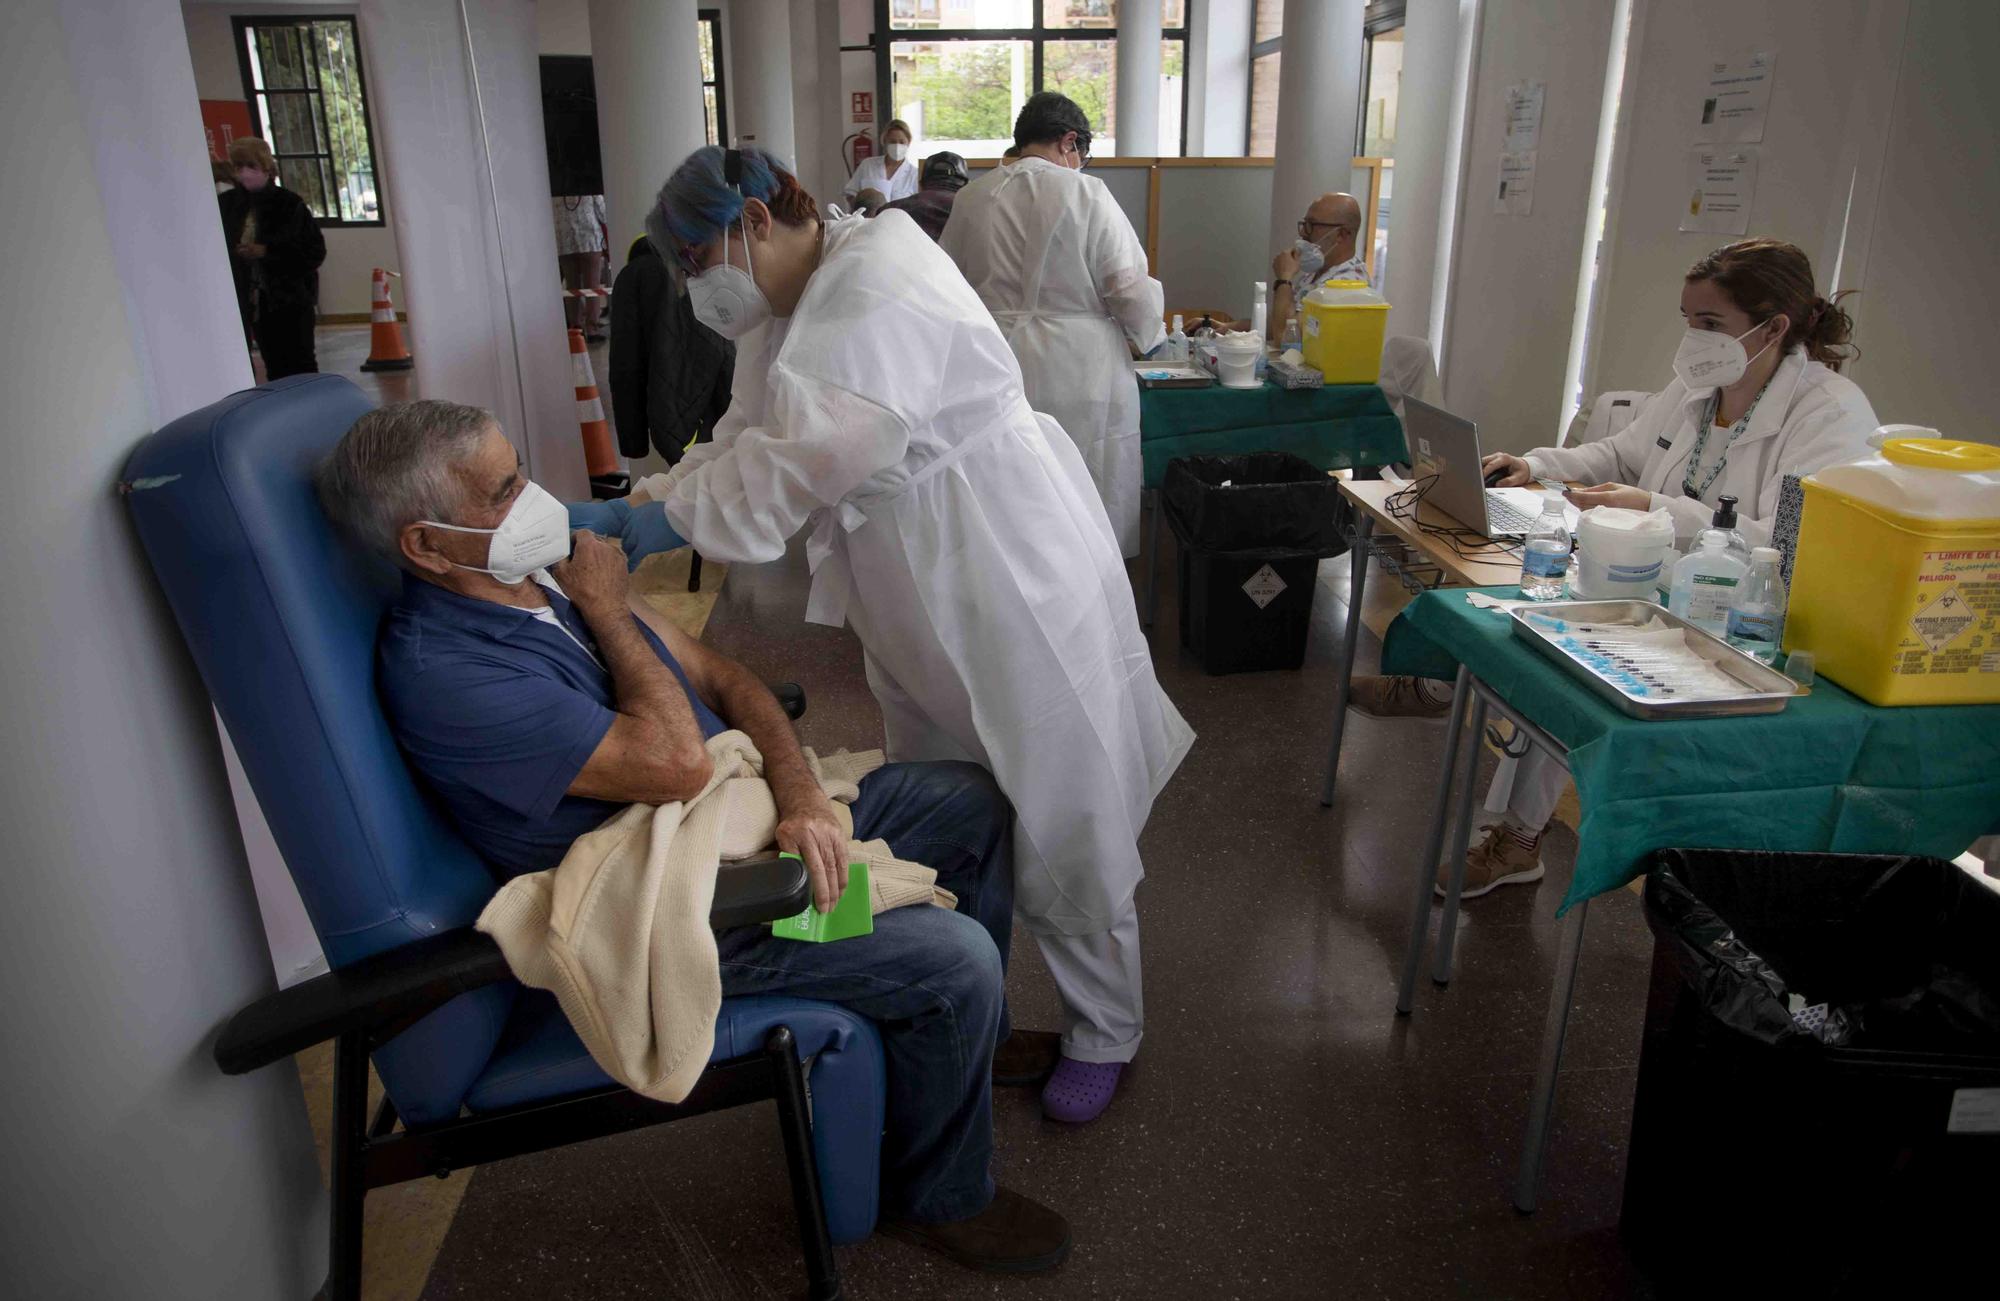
(302, 76)
(714, 102)
(969, 66)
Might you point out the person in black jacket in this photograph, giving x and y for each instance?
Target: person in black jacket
(944, 175)
(273, 234)
(670, 374)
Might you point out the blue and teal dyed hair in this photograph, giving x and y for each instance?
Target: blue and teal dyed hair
(697, 204)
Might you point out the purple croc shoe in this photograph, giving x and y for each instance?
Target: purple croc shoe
(1078, 1092)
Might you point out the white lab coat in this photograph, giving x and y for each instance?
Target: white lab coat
(873, 174)
(957, 531)
(1051, 254)
(1809, 418)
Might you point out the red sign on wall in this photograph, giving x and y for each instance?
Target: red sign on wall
(864, 105)
(223, 120)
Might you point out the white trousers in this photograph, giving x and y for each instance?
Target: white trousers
(1097, 976)
(1538, 784)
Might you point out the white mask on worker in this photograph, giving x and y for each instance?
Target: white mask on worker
(534, 535)
(1311, 257)
(1712, 359)
(726, 298)
(898, 152)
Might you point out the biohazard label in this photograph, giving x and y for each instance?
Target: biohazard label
(1263, 586)
(1956, 624)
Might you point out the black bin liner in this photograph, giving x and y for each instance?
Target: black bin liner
(1813, 1153)
(1252, 530)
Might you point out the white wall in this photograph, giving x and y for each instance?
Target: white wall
(758, 37)
(562, 26)
(1932, 267)
(352, 252)
(131, 933)
(1514, 277)
(1800, 186)
(1423, 145)
(1218, 78)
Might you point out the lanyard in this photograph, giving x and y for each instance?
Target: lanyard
(1722, 456)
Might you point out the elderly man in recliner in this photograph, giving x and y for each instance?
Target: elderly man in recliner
(536, 699)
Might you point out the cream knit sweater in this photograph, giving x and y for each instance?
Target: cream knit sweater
(619, 929)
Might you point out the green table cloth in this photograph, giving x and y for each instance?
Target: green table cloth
(1333, 427)
(1830, 774)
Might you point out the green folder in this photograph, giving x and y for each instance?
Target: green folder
(852, 914)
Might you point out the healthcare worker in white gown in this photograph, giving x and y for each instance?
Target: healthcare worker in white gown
(1052, 255)
(957, 531)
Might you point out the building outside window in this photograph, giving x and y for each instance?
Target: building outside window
(302, 76)
(972, 64)
(714, 106)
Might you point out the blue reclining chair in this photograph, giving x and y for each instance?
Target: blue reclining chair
(280, 616)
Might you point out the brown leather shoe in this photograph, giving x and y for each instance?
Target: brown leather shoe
(1026, 1058)
(1396, 697)
(1013, 1235)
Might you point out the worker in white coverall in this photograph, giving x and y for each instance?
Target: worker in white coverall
(1054, 258)
(957, 531)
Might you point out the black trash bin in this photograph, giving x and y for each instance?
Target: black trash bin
(1814, 1149)
(1252, 530)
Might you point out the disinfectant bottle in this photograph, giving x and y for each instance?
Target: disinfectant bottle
(1725, 519)
(1705, 579)
(1177, 342)
(1757, 620)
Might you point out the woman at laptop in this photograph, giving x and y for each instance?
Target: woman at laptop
(1756, 395)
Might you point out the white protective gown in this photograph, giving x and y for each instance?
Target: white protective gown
(1051, 254)
(958, 532)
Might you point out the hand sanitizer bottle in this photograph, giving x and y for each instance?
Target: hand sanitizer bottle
(1177, 342)
(1545, 554)
(1705, 580)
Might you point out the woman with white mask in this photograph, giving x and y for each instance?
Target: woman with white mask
(957, 531)
(892, 174)
(1756, 395)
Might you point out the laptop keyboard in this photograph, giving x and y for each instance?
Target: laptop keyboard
(1502, 516)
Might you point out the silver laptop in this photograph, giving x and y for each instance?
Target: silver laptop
(1447, 446)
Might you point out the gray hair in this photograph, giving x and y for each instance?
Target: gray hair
(394, 467)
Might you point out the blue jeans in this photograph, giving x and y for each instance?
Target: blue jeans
(934, 982)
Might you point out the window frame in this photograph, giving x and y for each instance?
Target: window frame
(1379, 18)
(240, 24)
(712, 19)
(1036, 35)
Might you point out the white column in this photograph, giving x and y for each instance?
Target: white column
(760, 66)
(809, 120)
(1138, 100)
(1319, 95)
(459, 129)
(130, 932)
(1423, 139)
(649, 118)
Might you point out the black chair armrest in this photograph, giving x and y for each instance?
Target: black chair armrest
(791, 698)
(386, 994)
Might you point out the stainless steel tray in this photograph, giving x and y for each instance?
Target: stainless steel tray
(1765, 690)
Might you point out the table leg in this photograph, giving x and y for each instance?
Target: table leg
(1461, 834)
(1420, 904)
(1357, 586)
(1152, 554)
(1541, 1106)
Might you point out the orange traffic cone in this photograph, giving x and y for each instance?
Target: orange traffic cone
(385, 336)
(600, 459)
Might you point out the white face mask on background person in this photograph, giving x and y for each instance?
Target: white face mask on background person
(534, 535)
(897, 151)
(1311, 257)
(726, 298)
(1712, 359)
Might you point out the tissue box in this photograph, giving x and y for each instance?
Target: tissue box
(1286, 375)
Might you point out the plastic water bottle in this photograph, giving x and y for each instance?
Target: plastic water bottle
(1757, 620)
(1177, 342)
(1545, 555)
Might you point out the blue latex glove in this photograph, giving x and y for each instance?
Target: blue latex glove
(646, 531)
(605, 517)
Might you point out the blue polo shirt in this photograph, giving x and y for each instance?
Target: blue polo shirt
(499, 709)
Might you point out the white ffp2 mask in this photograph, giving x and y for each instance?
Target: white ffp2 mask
(1712, 359)
(897, 152)
(726, 298)
(534, 535)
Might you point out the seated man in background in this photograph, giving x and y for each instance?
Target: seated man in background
(536, 700)
(944, 175)
(1324, 251)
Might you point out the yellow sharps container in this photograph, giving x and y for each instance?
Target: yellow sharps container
(1340, 326)
(1896, 584)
